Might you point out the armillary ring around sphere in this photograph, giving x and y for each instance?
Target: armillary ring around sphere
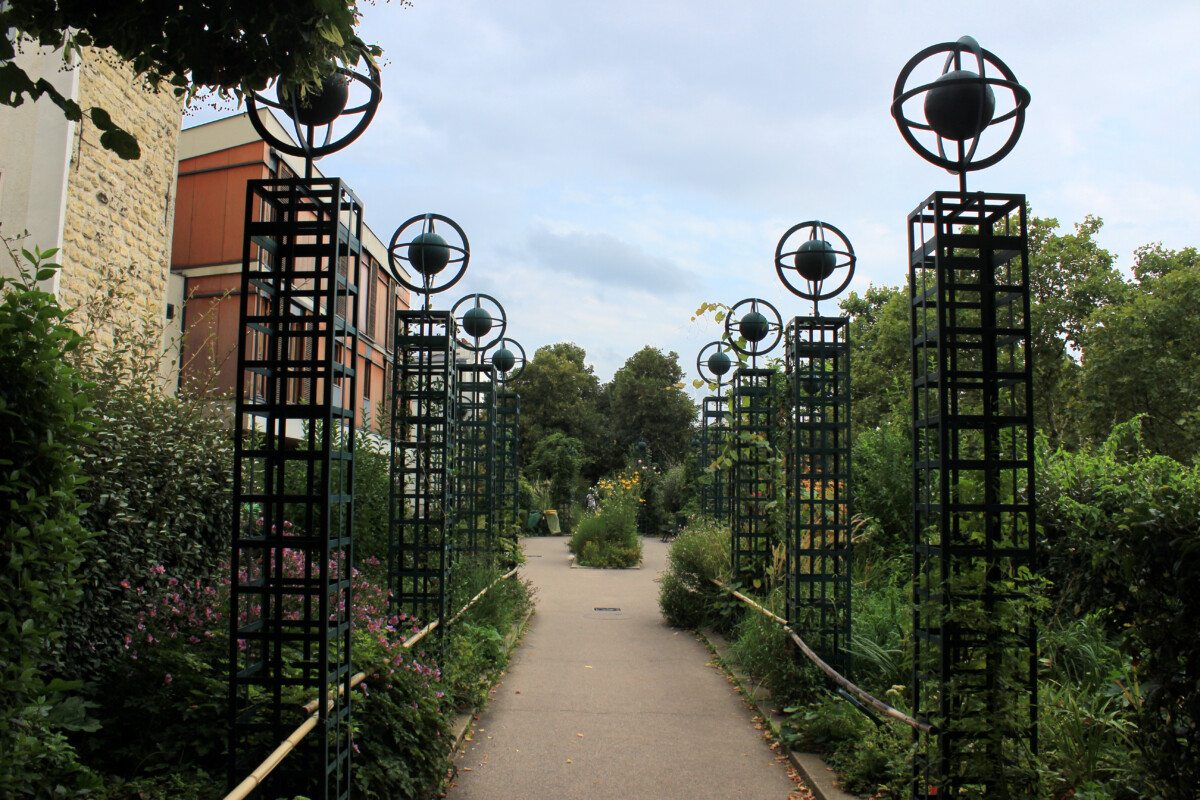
(482, 318)
(760, 326)
(509, 359)
(712, 362)
(960, 105)
(418, 244)
(817, 254)
(321, 108)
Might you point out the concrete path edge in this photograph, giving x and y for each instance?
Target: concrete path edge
(817, 775)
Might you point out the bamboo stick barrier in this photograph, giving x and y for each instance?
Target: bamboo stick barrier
(255, 778)
(833, 674)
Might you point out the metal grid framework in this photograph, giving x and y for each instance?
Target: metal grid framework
(293, 481)
(975, 664)
(714, 429)
(475, 466)
(752, 479)
(424, 403)
(817, 355)
(508, 463)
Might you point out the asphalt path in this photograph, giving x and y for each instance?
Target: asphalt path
(604, 701)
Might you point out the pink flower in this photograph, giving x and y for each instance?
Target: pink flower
(167, 679)
(125, 584)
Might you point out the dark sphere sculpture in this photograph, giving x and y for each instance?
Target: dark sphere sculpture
(509, 360)
(712, 362)
(321, 108)
(719, 363)
(417, 244)
(503, 360)
(477, 322)
(821, 253)
(960, 105)
(815, 260)
(428, 253)
(480, 319)
(754, 329)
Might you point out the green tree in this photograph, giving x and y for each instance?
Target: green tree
(44, 425)
(644, 401)
(189, 45)
(881, 372)
(1140, 356)
(558, 458)
(1071, 277)
(559, 392)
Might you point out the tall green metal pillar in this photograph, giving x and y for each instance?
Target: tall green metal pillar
(818, 485)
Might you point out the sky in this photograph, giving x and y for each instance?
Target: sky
(617, 164)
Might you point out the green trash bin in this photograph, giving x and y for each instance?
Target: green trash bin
(552, 523)
(534, 518)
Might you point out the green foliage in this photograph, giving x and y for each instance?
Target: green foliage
(610, 537)
(644, 401)
(881, 633)
(558, 394)
(372, 496)
(159, 472)
(687, 597)
(557, 458)
(881, 484)
(869, 759)
(189, 46)
(1070, 278)
(1121, 541)
(44, 425)
(1140, 357)
(881, 354)
(763, 649)
(402, 735)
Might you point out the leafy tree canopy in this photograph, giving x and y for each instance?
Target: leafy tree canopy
(644, 400)
(1140, 356)
(558, 393)
(190, 45)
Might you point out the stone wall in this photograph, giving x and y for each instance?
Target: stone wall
(119, 214)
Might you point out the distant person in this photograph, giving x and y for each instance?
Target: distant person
(593, 504)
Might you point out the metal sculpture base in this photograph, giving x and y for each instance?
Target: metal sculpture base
(475, 462)
(753, 477)
(290, 590)
(973, 497)
(714, 430)
(817, 355)
(424, 417)
(508, 459)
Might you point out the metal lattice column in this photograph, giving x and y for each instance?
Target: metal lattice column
(973, 497)
(752, 480)
(290, 590)
(476, 462)
(817, 354)
(714, 429)
(425, 394)
(508, 420)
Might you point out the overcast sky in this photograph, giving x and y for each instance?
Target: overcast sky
(615, 164)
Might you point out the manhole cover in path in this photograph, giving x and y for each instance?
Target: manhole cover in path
(606, 612)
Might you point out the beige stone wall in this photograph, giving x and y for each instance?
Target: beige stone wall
(119, 214)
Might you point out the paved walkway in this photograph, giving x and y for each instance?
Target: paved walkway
(604, 701)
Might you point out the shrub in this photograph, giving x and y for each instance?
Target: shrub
(43, 426)
(687, 597)
(881, 483)
(609, 538)
(1122, 540)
